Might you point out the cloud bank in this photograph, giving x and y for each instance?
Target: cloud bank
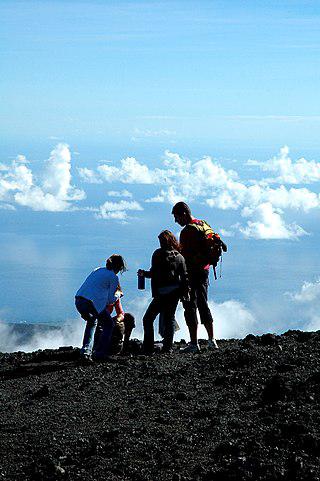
(262, 207)
(51, 191)
(308, 299)
(263, 204)
(69, 334)
(288, 171)
(117, 210)
(232, 319)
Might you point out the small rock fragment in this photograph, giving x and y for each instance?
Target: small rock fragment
(44, 391)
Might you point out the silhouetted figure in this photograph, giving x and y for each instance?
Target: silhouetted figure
(123, 326)
(191, 244)
(169, 283)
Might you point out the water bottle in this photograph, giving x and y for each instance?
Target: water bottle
(141, 281)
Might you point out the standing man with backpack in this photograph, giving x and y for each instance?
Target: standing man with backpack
(200, 247)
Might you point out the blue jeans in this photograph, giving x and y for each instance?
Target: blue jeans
(89, 313)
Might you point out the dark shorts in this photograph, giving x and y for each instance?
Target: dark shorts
(199, 283)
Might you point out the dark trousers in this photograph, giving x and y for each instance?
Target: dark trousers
(166, 306)
(199, 282)
(89, 313)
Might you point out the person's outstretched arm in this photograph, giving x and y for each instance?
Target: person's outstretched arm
(148, 274)
(119, 310)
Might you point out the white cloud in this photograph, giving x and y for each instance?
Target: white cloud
(236, 195)
(262, 206)
(17, 177)
(188, 181)
(169, 195)
(268, 224)
(117, 210)
(58, 175)
(309, 299)
(310, 291)
(122, 193)
(232, 319)
(178, 172)
(302, 199)
(224, 200)
(53, 190)
(129, 172)
(179, 178)
(158, 198)
(7, 207)
(89, 176)
(287, 171)
(226, 233)
(37, 200)
(22, 158)
(175, 162)
(69, 334)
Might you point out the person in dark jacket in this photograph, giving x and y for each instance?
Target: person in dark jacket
(169, 283)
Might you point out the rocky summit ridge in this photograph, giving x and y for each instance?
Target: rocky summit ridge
(247, 411)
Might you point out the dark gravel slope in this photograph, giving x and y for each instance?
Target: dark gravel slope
(248, 411)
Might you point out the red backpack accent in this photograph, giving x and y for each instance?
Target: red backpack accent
(211, 245)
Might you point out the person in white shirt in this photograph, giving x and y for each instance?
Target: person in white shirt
(91, 300)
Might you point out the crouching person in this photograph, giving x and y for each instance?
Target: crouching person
(92, 298)
(121, 334)
(123, 326)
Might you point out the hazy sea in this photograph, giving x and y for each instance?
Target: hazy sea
(40, 275)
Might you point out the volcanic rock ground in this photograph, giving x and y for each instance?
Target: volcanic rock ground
(248, 411)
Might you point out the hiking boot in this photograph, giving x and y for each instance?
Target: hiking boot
(85, 359)
(212, 344)
(147, 352)
(191, 348)
(102, 359)
(167, 350)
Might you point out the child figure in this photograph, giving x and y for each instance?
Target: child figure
(123, 326)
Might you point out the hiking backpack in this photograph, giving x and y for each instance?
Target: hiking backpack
(211, 246)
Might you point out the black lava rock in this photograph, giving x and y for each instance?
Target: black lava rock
(44, 391)
(248, 411)
(275, 389)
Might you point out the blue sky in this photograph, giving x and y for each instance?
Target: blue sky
(112, 111)
(210, 71)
